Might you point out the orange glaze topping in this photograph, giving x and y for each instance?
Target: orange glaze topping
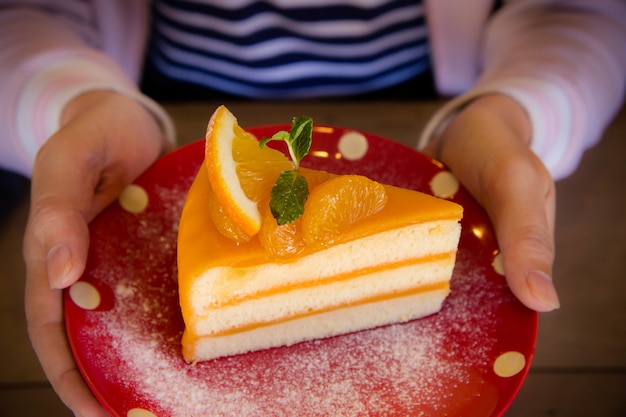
(205, 247)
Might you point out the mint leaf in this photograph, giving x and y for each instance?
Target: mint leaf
(289, 194)
(300, 136)
(298, 139)
(291, 190)
(282, 135)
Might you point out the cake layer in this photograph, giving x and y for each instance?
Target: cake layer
(356, 287)
(315, 326)
(227, 284)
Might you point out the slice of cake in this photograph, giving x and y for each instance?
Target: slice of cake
(389, 265)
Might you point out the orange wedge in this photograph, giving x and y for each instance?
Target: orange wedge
(222, 221)
(240, 172)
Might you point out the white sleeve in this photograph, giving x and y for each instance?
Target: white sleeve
(564, 63)
(45, 63)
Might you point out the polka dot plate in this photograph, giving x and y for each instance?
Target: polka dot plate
(124, 323)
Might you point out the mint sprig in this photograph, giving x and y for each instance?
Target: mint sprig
(291, 190)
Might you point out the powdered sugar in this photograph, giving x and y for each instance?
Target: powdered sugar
(409, 369)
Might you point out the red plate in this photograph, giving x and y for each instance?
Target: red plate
(468, 360)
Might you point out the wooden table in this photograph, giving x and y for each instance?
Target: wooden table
(579, 367)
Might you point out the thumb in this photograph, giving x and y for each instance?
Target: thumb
(57, 229)
(524, 230)
(62, 197)
(63, 237)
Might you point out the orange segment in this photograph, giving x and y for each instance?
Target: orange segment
(287, 240)
(337, 204)
(280, 241)
(240, 172)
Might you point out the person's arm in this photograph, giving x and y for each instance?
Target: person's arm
(74, 121)
(47, 58)
(553, 75)
(563, 62)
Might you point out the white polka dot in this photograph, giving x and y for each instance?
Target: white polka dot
(353, 146)
(509, 364)
(139, 412)
(134, 199)
(444, 185)
(497, 263)
(85, 295)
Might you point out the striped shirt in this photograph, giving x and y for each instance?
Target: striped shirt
(289, 49)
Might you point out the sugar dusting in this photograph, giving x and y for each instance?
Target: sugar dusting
(409, 369)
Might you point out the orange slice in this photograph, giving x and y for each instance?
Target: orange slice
(337, 204)
(240, 172)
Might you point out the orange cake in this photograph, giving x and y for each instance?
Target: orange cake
(383, 255)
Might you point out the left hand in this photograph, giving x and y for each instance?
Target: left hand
(106, 140)
(486, 146)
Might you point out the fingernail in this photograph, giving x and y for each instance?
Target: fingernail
(59, 261)
(540, 285)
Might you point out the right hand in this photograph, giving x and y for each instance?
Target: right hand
(105, 142)
(487, 147)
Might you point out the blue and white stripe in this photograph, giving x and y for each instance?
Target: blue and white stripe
(290, 49)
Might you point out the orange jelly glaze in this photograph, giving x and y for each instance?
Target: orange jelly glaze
(201, 246)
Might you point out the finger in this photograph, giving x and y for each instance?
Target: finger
(523, 213)
(55, 250)
(47, 334)
(61, 204)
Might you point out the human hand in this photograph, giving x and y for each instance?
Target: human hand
(486, 147)
(106, 140)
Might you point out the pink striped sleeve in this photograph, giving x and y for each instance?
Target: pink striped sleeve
(565, 65)
(40, 75)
